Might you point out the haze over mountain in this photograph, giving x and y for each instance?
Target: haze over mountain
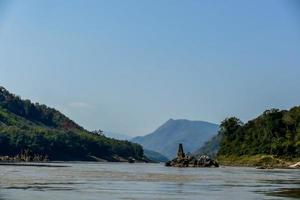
(155, 156)
(205, 57)
(117, 136)
(152, 155)
(166, 138)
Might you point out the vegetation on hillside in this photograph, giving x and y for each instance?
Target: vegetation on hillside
(274, 132)
(210, 147)
(41, 130)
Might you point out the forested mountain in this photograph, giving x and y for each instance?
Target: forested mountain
(210, 147)
(274, 132)
(165, 140)
(41, 130)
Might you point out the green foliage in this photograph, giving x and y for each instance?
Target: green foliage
(45, 131)
(275, 132)
(40, 114)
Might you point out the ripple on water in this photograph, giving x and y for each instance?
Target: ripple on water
(286, 192)
(144, 181)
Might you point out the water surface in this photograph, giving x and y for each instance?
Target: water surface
(90, 181)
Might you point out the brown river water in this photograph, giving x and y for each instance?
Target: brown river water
(91, 181)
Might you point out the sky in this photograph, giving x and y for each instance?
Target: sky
(129, 66)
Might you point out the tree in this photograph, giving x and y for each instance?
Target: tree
(230, 125)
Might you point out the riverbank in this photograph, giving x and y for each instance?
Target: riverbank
(259, 161)
(26, 164)
(25, 158)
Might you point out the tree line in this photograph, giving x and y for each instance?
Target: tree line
(274, 132)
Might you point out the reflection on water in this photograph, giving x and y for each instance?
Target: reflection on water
(2, 197)
(286, 192)
(145, 181)
(293, 191)
(288, 188)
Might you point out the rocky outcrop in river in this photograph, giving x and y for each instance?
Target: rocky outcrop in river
(183, 160)
(296, 165)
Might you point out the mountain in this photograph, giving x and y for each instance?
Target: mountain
(210, 147)
(151, 155)
(41, 131)
(275, 132)
(117, 136)
(166, 138)
(155, 156)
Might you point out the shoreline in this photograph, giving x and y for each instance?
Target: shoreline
(42, 159)
(255, 161)
(30, 164)
(61, 164)
(260, 162)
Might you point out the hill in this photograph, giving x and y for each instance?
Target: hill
(166, 138)
(275, 133)
(210, 147)
(39, 130)
(155, 156)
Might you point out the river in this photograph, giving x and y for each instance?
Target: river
(91, 181)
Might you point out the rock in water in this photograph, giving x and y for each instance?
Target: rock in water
(183, 160)
(296, 165)
(131, 160)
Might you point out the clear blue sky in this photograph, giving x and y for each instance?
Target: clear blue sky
(128, 66)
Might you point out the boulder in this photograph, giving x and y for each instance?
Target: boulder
(296, 165)
(183, 160)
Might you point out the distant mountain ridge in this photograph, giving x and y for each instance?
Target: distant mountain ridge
(151, 155)
(117, 136)
(155, 156)
(166, 138)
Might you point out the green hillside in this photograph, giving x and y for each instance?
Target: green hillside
(274, 133)
(44, 131)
